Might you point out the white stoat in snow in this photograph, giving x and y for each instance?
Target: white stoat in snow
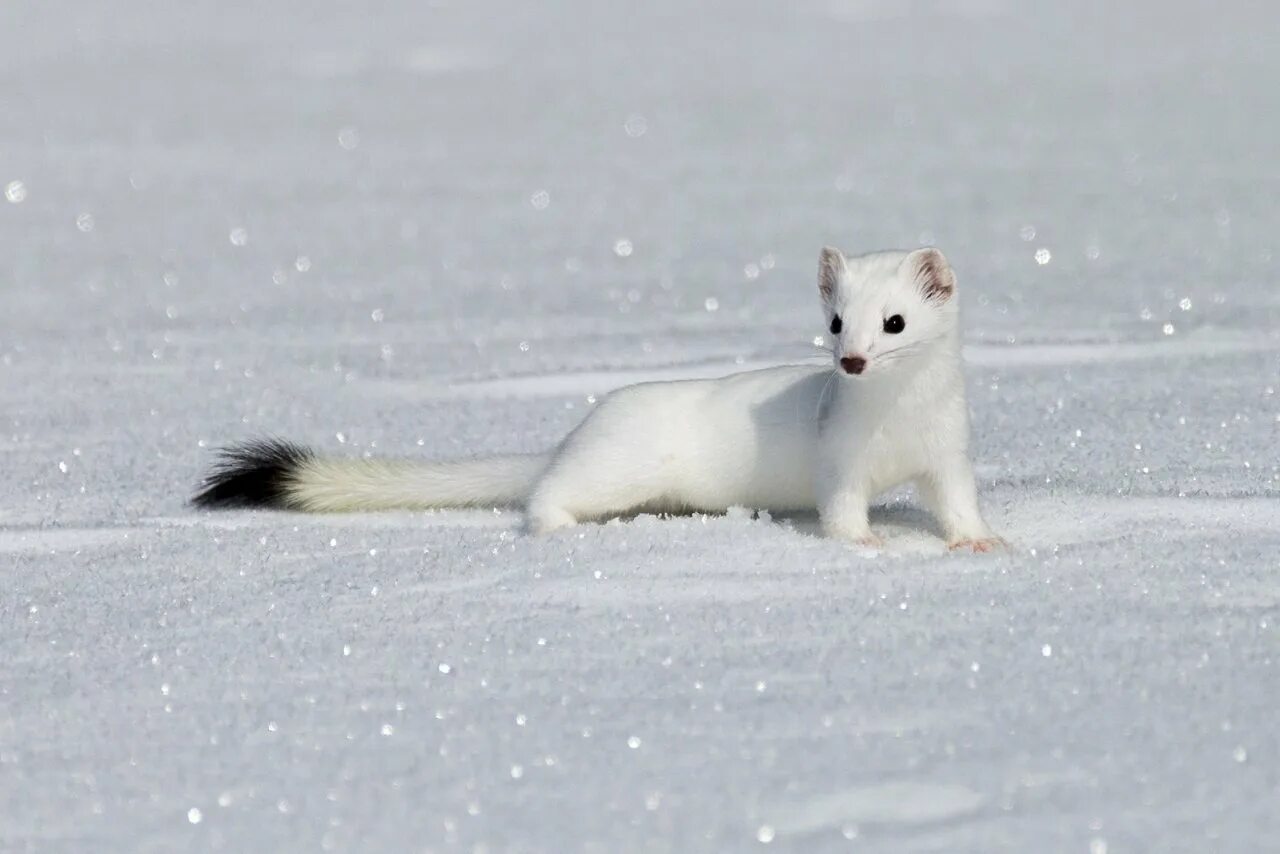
(891, 410)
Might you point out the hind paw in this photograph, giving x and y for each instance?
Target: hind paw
(544, 520)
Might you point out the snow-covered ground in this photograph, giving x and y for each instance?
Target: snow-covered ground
(441, 228)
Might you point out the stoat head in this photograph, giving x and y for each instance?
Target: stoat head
(885, 311)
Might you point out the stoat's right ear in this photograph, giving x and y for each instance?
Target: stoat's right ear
(831, 267)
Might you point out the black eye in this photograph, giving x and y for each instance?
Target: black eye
(895, 324)
(836, 325)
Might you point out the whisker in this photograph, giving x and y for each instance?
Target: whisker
(817, 411)
(908, 349)
(787, 351)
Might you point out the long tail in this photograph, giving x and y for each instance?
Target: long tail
(273, 473)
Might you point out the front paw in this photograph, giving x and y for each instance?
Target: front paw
(860, 539)
(870, 541)
(978, 545)
(856, 533)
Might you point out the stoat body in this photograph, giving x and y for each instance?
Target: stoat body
(890, 410)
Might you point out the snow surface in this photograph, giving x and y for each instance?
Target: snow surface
(436, 228)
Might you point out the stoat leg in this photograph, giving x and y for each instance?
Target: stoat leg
(951, 495)
(589, 480)
(844, 517)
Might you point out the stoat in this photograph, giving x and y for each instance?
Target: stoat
(891, 409)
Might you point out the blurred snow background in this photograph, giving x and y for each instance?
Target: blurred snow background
(438, 228)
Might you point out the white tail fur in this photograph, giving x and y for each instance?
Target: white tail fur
(329, 484)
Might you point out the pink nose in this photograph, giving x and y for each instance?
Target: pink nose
(853, 364)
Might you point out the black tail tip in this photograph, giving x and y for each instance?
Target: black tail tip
(252, 474)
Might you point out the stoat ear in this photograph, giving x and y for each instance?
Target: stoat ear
(831, 267)
(929, 269)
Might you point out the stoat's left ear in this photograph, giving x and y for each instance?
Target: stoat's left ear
(831, 267)
(929, 269)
